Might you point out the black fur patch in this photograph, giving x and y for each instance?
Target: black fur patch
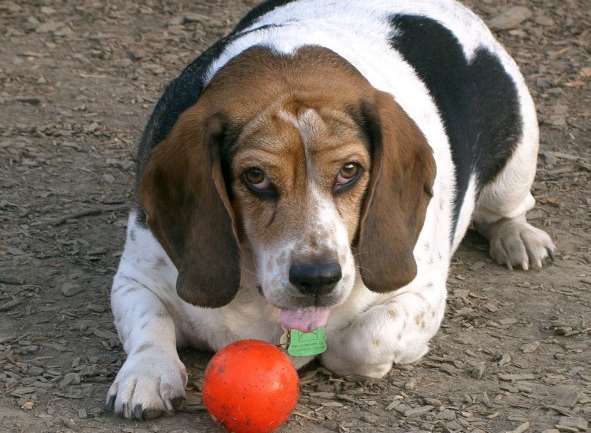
(477, 100)
(180, 94)
(259, 11)
(141, 218)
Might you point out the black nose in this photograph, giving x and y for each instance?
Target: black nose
(315, 278)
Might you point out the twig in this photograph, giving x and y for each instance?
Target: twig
(82, 214)
(578, 332)
(8, 305)
(522, 428)
(7, 339)
(303, 415)
(11, 281)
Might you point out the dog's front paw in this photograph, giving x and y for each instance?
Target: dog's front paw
(518, 243)
(394, 333)
(148, 384)
(341, 367)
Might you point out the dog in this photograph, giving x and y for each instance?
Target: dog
(318, 167)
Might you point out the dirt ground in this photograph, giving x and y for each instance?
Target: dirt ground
(77, 82)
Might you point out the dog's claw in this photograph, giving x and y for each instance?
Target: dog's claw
(137, 412)
(110, 403)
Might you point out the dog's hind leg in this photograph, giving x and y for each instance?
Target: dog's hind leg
(500, 213)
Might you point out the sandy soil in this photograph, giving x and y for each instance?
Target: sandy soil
(77, 82)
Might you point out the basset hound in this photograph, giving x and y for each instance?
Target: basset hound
(318, 167)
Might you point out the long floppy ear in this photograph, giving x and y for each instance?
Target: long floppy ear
(400, 187)
(184, 195)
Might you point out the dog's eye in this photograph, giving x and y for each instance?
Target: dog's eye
(258, 182)
(347, 176)
(256, 177)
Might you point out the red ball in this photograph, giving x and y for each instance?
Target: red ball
(250, 387)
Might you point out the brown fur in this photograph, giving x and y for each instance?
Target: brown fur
(277, 146)
(183, 194)
(400, 190)
(201, 225)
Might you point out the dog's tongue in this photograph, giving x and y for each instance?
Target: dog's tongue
(304, 319)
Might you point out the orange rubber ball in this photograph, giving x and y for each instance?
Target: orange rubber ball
(250, 387)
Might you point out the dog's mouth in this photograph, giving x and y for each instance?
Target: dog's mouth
(303, 313)
(304, 319)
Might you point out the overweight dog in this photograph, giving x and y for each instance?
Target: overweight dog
(318, 167)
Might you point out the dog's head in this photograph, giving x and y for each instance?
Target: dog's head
(299, 160)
